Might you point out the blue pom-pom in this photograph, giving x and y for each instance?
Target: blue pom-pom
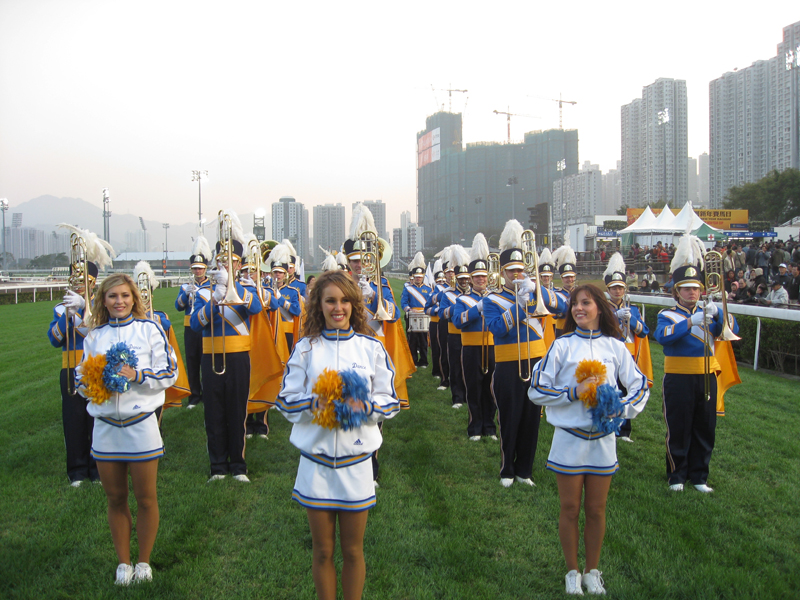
(351, 409)
(118, 355)
(354, 385)
(609, 405)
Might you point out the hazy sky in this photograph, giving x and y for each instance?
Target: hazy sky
(322, 100)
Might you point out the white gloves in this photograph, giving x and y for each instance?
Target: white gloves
(277, 293)
(366, 289)
(190, 288)
(246, 280)
(220, 277)
(219, 292)
(526, 286)
(699, 318)
(523, 299)
(711, 309)
(74, 302)
(624, 313)
(480, 306)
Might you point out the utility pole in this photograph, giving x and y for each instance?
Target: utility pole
(4, 208)
(106, 216)
(199, 177)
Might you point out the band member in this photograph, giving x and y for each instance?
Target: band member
(226, 374)
(67, 331)
(546, 270)
(565, 261)
(460, 257)
(633, 328)
(192, 340)
(583, 453)
(284, 301)
(147, 282)
(294, 273)
(518, 346)
(334, 479)
(442, 330)
(415, 297)
(691, 392)
(477, 345)
(432, 309)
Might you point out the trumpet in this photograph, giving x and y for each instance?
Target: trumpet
(531, 269)
(375, 254)
(232, 297)
(78, 280)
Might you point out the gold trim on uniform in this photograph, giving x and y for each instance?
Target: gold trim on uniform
(240, 343)
(689, 365)
(475, 338)
(509, 352)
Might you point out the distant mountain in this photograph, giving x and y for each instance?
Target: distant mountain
(45, 212)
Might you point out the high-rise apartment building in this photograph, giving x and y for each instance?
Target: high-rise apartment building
(612, 191)
(655, 145)
(753, 119)
(329, 230)
(463, 191)
(378, 210)
(290, 221)
(702, 180)
(576, 199)
(691, 180)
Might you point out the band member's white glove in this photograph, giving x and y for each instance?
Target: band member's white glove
(711, 309)
(73, 301)
(190, 288)
(699, 318)
(624, 313)
(246, 280)
(523, 299)
(277, 293)
(480, 306)
(219, 292)
(526, 286)
(220, 276)
(366, 289)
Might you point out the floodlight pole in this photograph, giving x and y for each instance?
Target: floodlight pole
(4, 207)
(198, 176)
(106, 216)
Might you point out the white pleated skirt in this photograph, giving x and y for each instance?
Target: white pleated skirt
(138, 440)
(324, 488)
(575, 453)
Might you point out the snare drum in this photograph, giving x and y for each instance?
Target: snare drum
(418, 322)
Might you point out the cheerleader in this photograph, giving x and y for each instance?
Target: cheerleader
(126, 437)
(334, 479)
(583, 454)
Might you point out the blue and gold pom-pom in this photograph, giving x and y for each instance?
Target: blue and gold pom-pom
(606, 412)
(342, 400)
(118, 355)
(590, 368)
(328, 389)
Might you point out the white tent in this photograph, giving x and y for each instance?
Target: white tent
(643, 223)
(685, 217)
(664, 221)
(648, 229)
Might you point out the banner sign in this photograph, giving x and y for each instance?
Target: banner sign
(429, 147)
(751, 234)
(721, 219)
(606, 233)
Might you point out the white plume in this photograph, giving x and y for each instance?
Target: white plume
(98, 250)
(546, 258)
(460, 256)
(511, 236)
(362, 221)
(615, 263)
(144, 267)
(341, 259)
(480, 248)
(201, 247)
(417, 261)
(437, 266)
(237, 231)
(689, 251)
(280, 254)
(447, 257)
(288, 244)
(565, 254)
(329, 264)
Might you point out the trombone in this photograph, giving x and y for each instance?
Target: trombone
(78, 279)
(714, 285)
(626, 324)
(232, 297)
(146, 292)
(375, 254)
(531, 269)
(492, 287)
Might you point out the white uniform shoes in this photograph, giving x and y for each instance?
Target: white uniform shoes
(593, 582)
(573, 580)
(124, 574)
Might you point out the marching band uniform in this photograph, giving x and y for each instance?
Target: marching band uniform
(565, 259)
(446, 305)
(518, 418)
(476, 340)
(225, 396)
(334, 471)
(443, 329)
(192, 340)
(77, 423)
(432, 309)
(691, 418)
(414, 299)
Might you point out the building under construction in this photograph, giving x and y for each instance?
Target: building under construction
(462, 191)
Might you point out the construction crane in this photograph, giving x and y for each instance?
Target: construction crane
(561, 104)
(450, 96)
(508, 119)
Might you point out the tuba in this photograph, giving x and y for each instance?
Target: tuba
(232, 297)
(78, 280)
(375, 254)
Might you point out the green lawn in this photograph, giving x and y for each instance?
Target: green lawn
(443, 526)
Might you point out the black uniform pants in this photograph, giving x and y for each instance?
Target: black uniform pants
(433, 330)
(193, 347)
(518, 418)
(225, 401)
(479, 390)
(418, 343)
(258, 423)
(691, 424)
(457, 390)
(444, 356)
(78, 429)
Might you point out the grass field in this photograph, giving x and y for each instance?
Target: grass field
(443, 527)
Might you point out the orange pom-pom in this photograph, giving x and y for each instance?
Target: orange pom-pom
(327, 387)
(91, 370)
(586, 369)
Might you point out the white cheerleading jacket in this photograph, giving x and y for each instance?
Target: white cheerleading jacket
(156, 370)
(337, 350)
(553, 383)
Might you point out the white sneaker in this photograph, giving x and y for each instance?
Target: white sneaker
(124, 574)
(676, 487)
(242, 478)
(493, 438)
(424, 366)
(77, 483)
(249, 436)
(474, 438)
(526, 481)
(625, 438)
(573, 580)
(377, 485)
(702, 487)
(263, 436)
(506, 482)
(441, 387)
(142, 572)
(215, 478)
(459, 405)
(191, 406)
(594, 582)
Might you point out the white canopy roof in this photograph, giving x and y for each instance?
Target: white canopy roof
(665, 220)
(645, 222)
(687, 217)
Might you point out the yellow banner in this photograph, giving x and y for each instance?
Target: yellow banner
(721, 219)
